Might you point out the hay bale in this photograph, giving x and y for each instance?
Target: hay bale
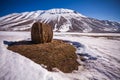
(41, 33)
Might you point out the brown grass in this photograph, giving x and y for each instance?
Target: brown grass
(55, 54)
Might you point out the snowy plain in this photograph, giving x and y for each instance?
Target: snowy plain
(101, 53)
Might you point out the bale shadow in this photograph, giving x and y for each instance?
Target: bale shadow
(78, 46)
(23, 42)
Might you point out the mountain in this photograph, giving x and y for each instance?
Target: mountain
(62, 20)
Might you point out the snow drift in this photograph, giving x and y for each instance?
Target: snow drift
(101, 55)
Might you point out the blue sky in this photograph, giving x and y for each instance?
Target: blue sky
(100, 9)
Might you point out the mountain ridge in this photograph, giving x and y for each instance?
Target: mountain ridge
(62, 20)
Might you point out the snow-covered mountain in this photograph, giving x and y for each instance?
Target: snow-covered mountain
(61, 19)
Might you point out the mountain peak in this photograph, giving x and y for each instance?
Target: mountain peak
(63, 11)
(59, 10)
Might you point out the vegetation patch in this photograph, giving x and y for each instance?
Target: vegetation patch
(56, 54)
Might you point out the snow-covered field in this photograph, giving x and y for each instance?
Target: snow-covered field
(101, 51)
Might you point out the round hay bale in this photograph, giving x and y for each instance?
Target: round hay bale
(41, 33)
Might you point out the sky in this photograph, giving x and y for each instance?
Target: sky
(99, 9)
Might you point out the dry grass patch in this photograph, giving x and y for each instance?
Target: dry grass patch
(55, 54)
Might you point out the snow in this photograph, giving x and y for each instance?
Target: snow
(87, 28)
(63, 11)
(59, 11)
(87, 34)
(65, 27)
(14, 66)
(101, 54)
(17, 67)
(114, 23)
(4, 17)
(16, 17)
(59, 18)
(55, 28)
(108, 29)
(106, 23)
(55, 14)
(22, 28)
(17, 23)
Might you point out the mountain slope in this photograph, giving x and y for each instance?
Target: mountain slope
(61, 19)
